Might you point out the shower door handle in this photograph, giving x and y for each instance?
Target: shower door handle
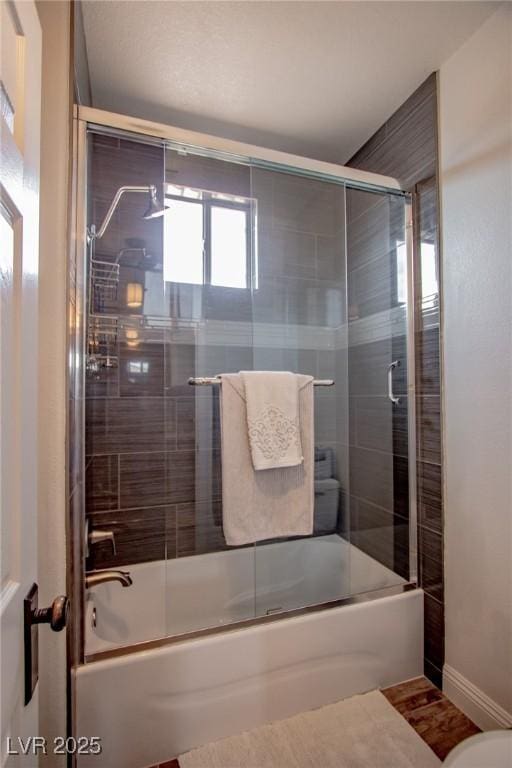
(391, 368)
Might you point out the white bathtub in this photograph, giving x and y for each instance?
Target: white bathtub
(151, 705)
(220, 588)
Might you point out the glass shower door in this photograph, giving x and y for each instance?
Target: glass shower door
(300, 325)
(207, 273)
(378, 392)
(285, 273)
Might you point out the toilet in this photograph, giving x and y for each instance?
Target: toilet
(485, 750)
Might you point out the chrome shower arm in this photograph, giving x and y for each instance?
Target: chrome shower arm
(97, 234)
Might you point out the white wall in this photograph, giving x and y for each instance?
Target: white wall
(55, 137)
(476, 203)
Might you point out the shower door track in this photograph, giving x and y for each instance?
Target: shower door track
(235, 151)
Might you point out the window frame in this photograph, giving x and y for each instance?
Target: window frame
(209, 200)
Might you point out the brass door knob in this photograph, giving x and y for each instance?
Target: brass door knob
(56, 615)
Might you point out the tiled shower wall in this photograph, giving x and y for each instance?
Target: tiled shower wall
(129, 424)
(152, 441)
(406, 147)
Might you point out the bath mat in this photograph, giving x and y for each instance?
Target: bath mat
(361, 732)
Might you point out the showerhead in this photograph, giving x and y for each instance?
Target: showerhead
(155, 208)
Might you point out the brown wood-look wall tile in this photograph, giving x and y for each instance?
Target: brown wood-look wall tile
(140, 536)
(399, 354)
(427, 362)
(104, 383)
(208, 476)
(304, 205)
(198, 423)
(428, 418)
(371, 477)
(198, 528)
(401, 427)
(427, 210)
(270, 300)
(380, 425)
(401, 564)
(141, 370)
(430, 512)
(285, 253)
(408, 150)
(151, 479)
(126, 227)
(372, 530)
(143, 479)
(230, 304)
(427, 91)
(183, 476)
(237, 359)
(102, 483)
(381, 479)
(430, 546)
(401, 486)
(434, 631)
(330, 257)
(372, 287)
(183, 361)
(433, 673)
(121, 162)
(368, 367)
(365, 154)
(129, 425)
(180, 365)
(372, 228)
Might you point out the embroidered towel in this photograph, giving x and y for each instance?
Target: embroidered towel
(272, 402)
(263, 505)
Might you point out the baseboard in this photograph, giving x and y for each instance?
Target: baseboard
(479, 707)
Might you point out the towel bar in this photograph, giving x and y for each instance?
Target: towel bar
(205, 381)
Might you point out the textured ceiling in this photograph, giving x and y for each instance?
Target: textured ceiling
(311, 78)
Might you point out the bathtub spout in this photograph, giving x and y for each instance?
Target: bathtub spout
(93, 578)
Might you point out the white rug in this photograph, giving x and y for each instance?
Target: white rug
(360, 732)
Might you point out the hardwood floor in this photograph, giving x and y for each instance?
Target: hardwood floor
(439, 723)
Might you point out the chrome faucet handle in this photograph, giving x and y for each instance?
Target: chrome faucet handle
(93, 578)
(96, 536)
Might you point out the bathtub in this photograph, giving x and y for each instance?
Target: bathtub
(152, 704)
(191, 593)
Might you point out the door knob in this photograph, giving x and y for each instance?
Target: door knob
(56, 615)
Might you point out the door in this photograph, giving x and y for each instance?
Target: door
(381, 390)
(20, 96)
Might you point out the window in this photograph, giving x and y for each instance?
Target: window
(207, 238)
(401, 272)
(429, 285)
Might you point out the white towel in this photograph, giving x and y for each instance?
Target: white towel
(271, 504)
(272, 400)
